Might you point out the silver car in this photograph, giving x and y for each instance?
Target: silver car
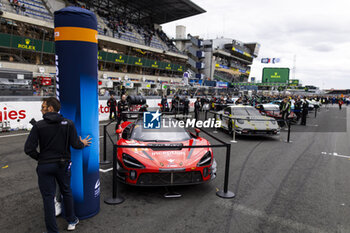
(248, 121)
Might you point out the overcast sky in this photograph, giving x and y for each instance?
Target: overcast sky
(317, 32)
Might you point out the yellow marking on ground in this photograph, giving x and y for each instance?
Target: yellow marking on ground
(5, 166)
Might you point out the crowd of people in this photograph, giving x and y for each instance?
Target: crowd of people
(147, 31)
(299, 105)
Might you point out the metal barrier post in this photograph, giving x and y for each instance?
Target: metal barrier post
(225, 193)
(316, 112)
(105, 161)
(115, 199)
(206, 115)
(234, 132)
(288, 137)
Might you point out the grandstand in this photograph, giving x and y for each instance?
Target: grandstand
(233, 59)
(31, 8)
(221, 59)
(132, 45)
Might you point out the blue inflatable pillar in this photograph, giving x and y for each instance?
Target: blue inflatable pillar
(76, 76)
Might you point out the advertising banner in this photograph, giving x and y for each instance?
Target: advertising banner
(275, 75)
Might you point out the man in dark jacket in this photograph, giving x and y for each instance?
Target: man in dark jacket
(122, 107)
(55, 135)
(174, 104)
(186, 105)
(112, 104)
(297, 108)
(204, 100)
(197, 107)
(305, 111)
(164, 103)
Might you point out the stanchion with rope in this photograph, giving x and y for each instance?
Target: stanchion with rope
(288, 135)
(316, 112)
(226, 193)
(234, 132)
(104, 161)
(116, 198)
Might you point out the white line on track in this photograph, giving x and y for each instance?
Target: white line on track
(13, 135)
(106, 170)
(336, 155)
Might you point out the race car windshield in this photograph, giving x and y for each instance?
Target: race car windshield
(253, 112)
(246, 112)
(164, 134)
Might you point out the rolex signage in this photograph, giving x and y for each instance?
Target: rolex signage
(155, 64)
(26, 45)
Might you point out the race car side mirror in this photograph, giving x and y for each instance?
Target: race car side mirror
(118, 131)
(197, 132)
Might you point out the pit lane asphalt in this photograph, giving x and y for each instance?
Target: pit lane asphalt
(280, 187)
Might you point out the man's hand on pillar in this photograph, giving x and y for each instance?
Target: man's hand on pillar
(86, 141)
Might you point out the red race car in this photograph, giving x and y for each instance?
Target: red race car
(163, 166)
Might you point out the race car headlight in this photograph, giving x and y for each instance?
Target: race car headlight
(240, 121)
(273, 122)
(131, 162)
(205, 160)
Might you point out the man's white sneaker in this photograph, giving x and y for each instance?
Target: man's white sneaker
(71, 226)
(58, 208)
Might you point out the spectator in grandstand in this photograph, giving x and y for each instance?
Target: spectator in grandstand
(23, 9)
(104, 31)
(122, 107)
(54, 135)
(16, 5)
(112, 104)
